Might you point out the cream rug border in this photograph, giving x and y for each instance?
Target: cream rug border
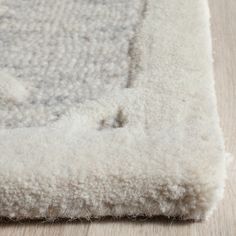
(78, 167)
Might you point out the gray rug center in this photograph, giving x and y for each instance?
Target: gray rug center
(64, 52)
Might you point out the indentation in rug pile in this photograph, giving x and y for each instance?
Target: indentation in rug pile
(108, 108)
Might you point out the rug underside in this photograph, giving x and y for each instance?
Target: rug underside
(108, 108)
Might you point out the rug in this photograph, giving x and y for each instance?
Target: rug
(108, 108)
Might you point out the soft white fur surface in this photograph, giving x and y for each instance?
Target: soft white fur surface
(155, 148)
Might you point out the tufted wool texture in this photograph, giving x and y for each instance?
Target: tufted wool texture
(108, 108)
(64, 52)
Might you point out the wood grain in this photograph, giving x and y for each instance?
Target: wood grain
(223, 222)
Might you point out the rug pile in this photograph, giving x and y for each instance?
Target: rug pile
(108, 108)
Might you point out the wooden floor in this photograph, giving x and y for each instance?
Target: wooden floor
(223, 221)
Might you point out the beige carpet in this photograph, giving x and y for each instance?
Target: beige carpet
(108, 108)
